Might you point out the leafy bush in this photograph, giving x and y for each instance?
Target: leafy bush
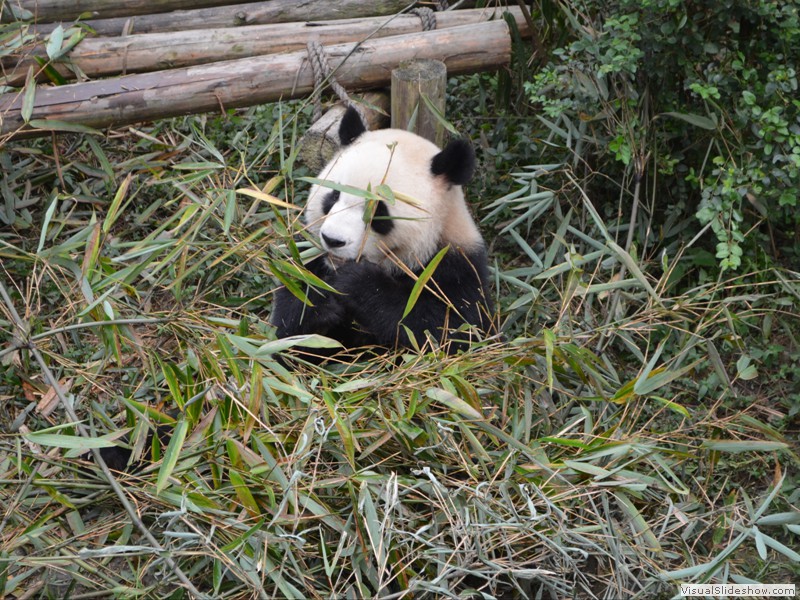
(697, 97)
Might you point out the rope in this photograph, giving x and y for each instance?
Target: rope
(322, 75)
(427, 16)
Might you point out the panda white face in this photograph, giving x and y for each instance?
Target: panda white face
(424, 212)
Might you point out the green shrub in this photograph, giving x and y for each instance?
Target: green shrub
(695, 96)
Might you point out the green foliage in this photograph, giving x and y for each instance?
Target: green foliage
(633, 67)
(635, 427)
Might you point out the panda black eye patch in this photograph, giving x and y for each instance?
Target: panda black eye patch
(329, 200)
(381, 222)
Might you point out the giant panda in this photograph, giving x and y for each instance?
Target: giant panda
(374, 250)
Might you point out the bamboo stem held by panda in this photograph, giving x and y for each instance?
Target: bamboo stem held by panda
(321, 141)
(418, 88)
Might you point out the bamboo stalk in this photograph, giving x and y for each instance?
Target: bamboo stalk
(249, 81)
(100, 57)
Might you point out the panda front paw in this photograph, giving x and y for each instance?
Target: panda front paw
(357, 281)
(328, 311)
(293, 317)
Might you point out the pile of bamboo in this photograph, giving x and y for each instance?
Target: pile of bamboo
(140, 67)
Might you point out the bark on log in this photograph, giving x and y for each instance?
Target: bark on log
(236, 15)
(321, 141)
(99, 57)
(43, 11)
(249, 81)
(410, 81)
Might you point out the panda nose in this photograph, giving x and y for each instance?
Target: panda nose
(332, 242)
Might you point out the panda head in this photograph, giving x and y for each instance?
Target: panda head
(425, 211)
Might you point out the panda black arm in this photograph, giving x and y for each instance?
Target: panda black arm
(377, 300)
(292, 317)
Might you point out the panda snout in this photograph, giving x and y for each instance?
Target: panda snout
(332, 243)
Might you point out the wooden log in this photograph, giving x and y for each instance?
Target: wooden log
(321, 141)
(43, 11)
(236, 15)
(249, 81)
(100, 57)
(410, 82)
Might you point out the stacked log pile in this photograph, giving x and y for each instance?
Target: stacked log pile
(162, 65)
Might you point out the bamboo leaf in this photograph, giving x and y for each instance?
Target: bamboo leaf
(53, 46)
(738, 446)
(696, 120)
(343, 427)
(243, 493)
(454, 403)
(30, 96)
(638, 522)
(57, 440)
(259, 195)
(48, 215)
(54, 125)
(437, 114)
(628, 261)
(423, 279)
(113, 209)
(171, 455)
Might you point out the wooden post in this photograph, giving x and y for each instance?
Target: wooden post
(410, 82)
(321, 141)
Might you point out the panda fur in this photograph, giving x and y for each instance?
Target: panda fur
(368, 261)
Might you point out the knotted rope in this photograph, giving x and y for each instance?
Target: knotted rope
(322, 75)
(427, 16)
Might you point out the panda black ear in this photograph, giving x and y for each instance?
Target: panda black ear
(351, 126)
(456, 162)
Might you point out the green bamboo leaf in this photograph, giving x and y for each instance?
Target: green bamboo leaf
(423, 279)
(113, 209)
(243, 493)
(171, 455)
(48, 215)
(709, 123)
(738, 446)
(53, 46)
(343, 427)
(171, 377)
(57, 440)
(454, 403)
(761, 547)
(549, 349)
(778, 519)
(340, 187)
(230, 210)
(371, 522)
(628, 261)
(267, 349)
(638, 522)
(49, 70)
(30, 96)
(290, 270)
(437, 114)
(54, 125)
